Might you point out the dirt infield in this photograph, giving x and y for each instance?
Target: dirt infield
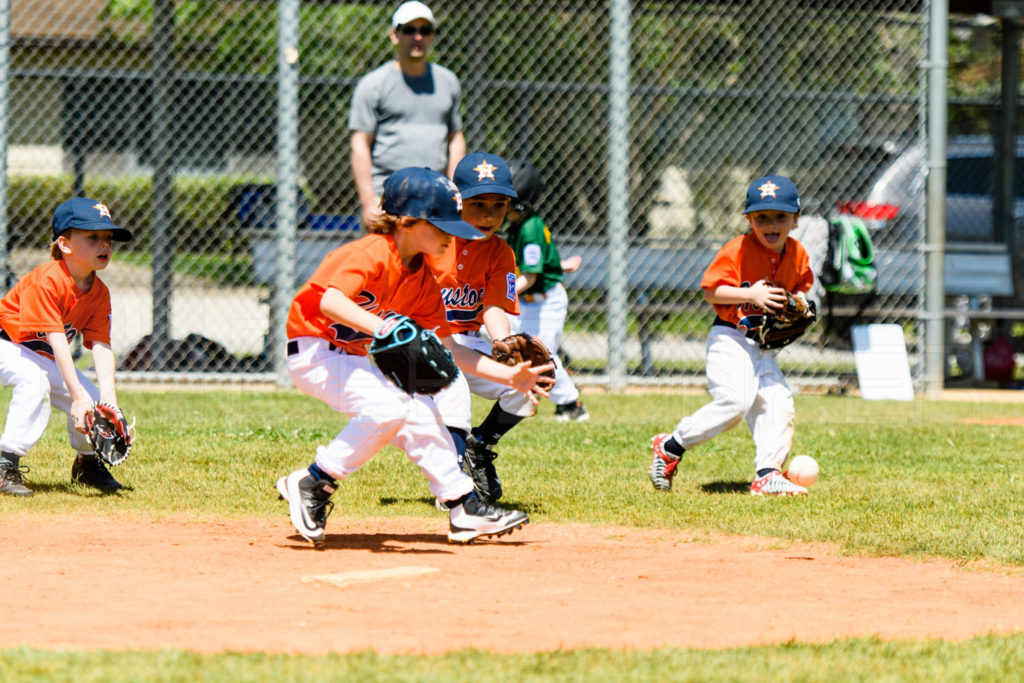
(396, 586)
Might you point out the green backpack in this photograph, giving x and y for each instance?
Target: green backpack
(849, 266)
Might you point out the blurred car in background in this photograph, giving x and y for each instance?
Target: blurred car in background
(894, 204)
(977, 266)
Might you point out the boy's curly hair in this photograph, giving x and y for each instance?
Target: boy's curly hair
(386, 223)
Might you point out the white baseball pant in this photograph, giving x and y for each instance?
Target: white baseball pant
(37, 385)
(455, 401)
(544, 318)
(745, 382)
(380, 413)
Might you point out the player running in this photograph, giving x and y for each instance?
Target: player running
(478, 283)
(332, 321)
(748, 276)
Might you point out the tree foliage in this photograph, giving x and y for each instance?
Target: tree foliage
(717, 88)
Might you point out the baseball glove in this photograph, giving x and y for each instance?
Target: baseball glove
(785, 325)
(109, 433)
(522, 347)
(412, 357)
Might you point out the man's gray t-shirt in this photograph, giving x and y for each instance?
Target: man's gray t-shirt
(410, 118)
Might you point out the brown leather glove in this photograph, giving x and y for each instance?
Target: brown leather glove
(521, 347)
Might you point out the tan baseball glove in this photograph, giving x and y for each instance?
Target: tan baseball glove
(787, 324)
(794, 309)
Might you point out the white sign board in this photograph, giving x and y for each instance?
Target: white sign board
(883, 369)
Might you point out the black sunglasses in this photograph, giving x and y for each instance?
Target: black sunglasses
(410, 30)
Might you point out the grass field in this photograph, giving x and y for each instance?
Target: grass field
(925, 479)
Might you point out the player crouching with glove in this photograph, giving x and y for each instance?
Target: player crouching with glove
(756, 284)
(478, 283)
(40, 317)
(375, 296)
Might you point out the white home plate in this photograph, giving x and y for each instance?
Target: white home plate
(347, 578)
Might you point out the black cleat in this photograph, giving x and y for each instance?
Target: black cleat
(11, 481)
(89, 470)
(475, 519)
(478, 463)
(571, 412)
(309, 504)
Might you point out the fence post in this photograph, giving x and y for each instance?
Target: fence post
(163, 179)
(287, 179)
(618, 190)
(935, 238)
(5, 63)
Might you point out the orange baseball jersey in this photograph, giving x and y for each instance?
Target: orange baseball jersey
(743, 261)
(370, 272)
(474, 274)
(48, 300)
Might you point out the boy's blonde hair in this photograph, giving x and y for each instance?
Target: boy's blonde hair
(55, 253)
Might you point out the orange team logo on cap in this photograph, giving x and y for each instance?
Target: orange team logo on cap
(485, 170)
(454, 189)
(102, 208)
(768, 189)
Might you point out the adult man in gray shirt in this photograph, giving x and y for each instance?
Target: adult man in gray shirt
(405, 112)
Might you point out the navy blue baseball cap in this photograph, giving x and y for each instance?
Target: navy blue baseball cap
(772, 193)
(425, 193)
(86, 214)
(481, 173)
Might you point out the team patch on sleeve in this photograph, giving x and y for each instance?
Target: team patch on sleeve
(510, 284)
(531, 254)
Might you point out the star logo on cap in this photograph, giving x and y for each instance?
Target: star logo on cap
(768, 189)
(454, 189)
(485, 170)
(102, 208)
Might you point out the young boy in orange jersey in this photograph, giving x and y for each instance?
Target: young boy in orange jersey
(40, 317)
(331, 323)
(748, 276)
(478, 283)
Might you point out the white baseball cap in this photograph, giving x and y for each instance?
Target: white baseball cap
(410, 11)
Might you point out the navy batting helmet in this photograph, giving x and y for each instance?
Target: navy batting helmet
(528, 183)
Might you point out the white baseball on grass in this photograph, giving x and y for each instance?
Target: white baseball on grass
(802, 470)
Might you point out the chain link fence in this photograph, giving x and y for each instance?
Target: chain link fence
(168, 112)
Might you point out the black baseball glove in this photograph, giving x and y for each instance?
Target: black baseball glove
(109, 433)
(785, 325)
(521, 347)
(412, 357)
